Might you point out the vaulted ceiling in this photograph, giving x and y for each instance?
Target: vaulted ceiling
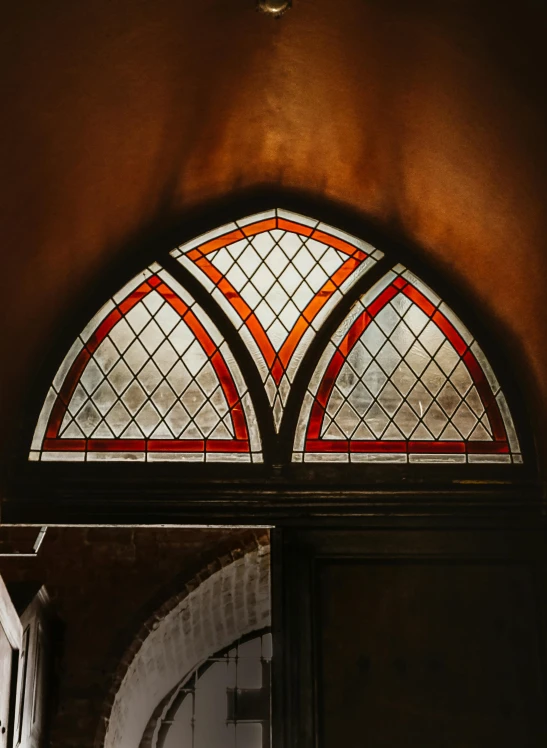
(124, 117)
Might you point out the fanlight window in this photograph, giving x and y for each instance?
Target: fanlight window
(277, 276)
(402, 379)
(151, 378)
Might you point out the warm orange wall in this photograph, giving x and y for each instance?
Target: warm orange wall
(427, 117)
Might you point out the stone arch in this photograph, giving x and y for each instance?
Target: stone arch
(220, 605)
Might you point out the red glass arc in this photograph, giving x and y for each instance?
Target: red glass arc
(315, 444)
(277, 361)
(240, 444)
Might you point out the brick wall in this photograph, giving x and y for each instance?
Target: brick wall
(111, 588)
(231, 602)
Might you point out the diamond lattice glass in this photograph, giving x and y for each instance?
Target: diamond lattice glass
(403, 380)
(149, 378)
(277, 275)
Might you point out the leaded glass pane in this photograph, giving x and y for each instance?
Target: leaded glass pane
(403, 380)
(277, 275)
(149, 378)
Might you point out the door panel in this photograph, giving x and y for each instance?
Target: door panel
(413, 638)
(428, 655)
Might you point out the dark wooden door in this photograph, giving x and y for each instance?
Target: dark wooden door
(414, 639)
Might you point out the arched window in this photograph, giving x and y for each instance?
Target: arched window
(223, 703)
(358, 360)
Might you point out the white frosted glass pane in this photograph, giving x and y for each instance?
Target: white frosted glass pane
(296, 217)
(265, 215)
(359, 243)
(508, 423)
(403, 378)
(227, 457)
(431, 338)
(43, 419)
(116, 456)
(388, 358)
(421, 458)
(375, 457)
(167, 318)
(490, 458)
(180, 339)
(421, 286)
(207, 379)
(387, 319)
(458, 324)
(234, 368)
(326, 457)
(464, 420)
(347, 420)
(134, 397)
(68, 360)
(377, 288)
(447, 358)
(252, 425)
(90, 328)
(197, 273)
(136, 356)
(207, 419)
(104, 397)
(435, 420)
(88, 418)
(128, 288)
(138, 317)
(91, 377)
(303, 422)
(207, 237)
(389, 398)
(175, 457)
(483, 361)
(63, 456)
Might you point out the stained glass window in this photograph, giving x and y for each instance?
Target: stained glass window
(403, 380)
(277, 275)
(152, 379)
(149, 378)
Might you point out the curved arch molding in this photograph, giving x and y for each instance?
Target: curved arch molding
(228, 605)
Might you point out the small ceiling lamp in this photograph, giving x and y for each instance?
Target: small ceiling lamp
(274, 8)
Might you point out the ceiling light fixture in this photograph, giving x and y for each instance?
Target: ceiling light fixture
(274, 8)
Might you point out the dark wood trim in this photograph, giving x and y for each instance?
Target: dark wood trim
(266, 507)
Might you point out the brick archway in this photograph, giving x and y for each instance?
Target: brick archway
(222, 605)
